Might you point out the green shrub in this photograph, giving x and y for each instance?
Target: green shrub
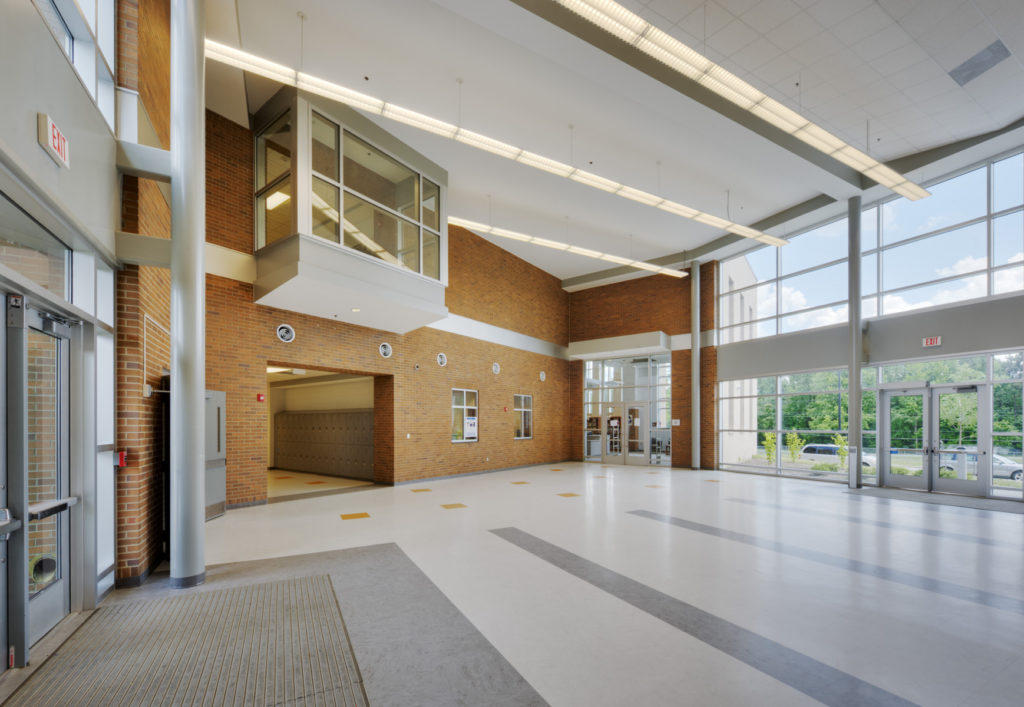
(769, 446)
(794, 443)
(823, 466)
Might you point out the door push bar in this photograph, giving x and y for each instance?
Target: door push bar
(7, 524)
(45, 509)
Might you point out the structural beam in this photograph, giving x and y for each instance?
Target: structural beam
(188, 294)
(853, 417)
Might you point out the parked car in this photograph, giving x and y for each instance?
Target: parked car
(829, 454)
(1002, 467)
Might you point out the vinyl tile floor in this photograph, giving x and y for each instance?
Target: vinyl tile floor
(281, 482)
(610, 585)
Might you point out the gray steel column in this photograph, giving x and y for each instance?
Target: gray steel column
(188, 293)
(853, 289)
(695, 365)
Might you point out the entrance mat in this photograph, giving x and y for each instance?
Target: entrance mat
(945, 499)
(277, 643)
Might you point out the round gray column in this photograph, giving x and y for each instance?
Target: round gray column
(853, 432)
(188, 293)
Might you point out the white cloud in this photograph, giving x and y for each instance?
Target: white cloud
(964, 265)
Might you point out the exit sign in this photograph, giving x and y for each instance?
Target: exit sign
(930, 341)
(54, 142)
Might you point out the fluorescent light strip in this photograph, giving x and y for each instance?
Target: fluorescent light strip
(558, 245)
(256, 65)
(633, 29)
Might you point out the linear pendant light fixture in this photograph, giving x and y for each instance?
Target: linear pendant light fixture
(638, 32)
(282, 74)
(557, 245)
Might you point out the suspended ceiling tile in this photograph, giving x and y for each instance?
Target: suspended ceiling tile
(930, 88)
(862, 25)
(887, 40)
(917, 74)
(754, 55)
(674, 10)
(733, 37)
(779, 68)
(897, 9)
(816, 48)
(766, 16)
(926, 15)
(706, 20)
(899, 59)
(738, 7)
(795, 30)
(830, 13)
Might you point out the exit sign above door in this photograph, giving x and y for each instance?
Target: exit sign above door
(930, 341)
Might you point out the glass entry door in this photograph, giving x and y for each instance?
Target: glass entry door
(48, 477)
(932, 439)
(614, 447)
(637, 437)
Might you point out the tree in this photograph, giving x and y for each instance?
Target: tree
(794, 443)
(769, 447)
(958, 416)
(843, 451)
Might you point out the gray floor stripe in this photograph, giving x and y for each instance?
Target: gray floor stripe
(930, 584)
(963, 537)
(801, 672)
(942, 502)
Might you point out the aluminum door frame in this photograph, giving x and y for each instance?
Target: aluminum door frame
(963, 487)
(644, 410)
(885, 395)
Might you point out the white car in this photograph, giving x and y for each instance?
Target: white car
(829, 454)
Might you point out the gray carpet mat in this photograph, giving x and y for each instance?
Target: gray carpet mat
(278, 643)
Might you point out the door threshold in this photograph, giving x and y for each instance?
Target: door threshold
(14, 678)
(937, 498)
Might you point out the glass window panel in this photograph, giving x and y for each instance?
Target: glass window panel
(869, 307)
(326, 222)
(431, 255)
(948, 370)
(738, 414)
(43, 453)
(868, 410)
(766, 412)
(736, 388)
(274, 214)
(954, 253)
(953, 201)
(1008, 239)
(527, 424)
(1008, 366)
(814, 289)
(869, 229)
(869, 274)
(325, 146)
(933, 295)
(383, 179)
(613, 372)
(1009, 279)
(751, 268)
(471, 398)
(1008, 183)
(458, 397)
(869, 377)
(611, 395)
(767, 385)
(810, 382)
(55, 21)
(431, 205)
(633, 394)
(811, 319)
(592, 374)
(747, 306)
(822, 245)
(1007, 404)
(30, 250)
(821, 412)
(376, 232)
(458, 416)
(274, 151)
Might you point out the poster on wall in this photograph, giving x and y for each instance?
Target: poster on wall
(470, 428)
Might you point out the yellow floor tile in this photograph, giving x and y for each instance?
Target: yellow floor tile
(453, 505)
(655, 486)
(568, 495)
(354, 516)
(520, 483)
(420, 490)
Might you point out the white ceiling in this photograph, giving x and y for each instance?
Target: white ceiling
(525, 81)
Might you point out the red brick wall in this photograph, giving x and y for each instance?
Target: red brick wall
(654, 303)
(128, 44)
(491, 285)
(422, 397)
(154, 67)
(708, 368)
(682, 436)
(143, 351)
(229, 184)
(576, 410)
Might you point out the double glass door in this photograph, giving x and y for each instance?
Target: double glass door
(933, 439)
(625, 438)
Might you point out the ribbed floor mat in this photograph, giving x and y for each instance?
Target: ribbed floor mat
(281, 643)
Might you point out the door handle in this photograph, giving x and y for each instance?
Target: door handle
(45, 509)
(7, 524)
